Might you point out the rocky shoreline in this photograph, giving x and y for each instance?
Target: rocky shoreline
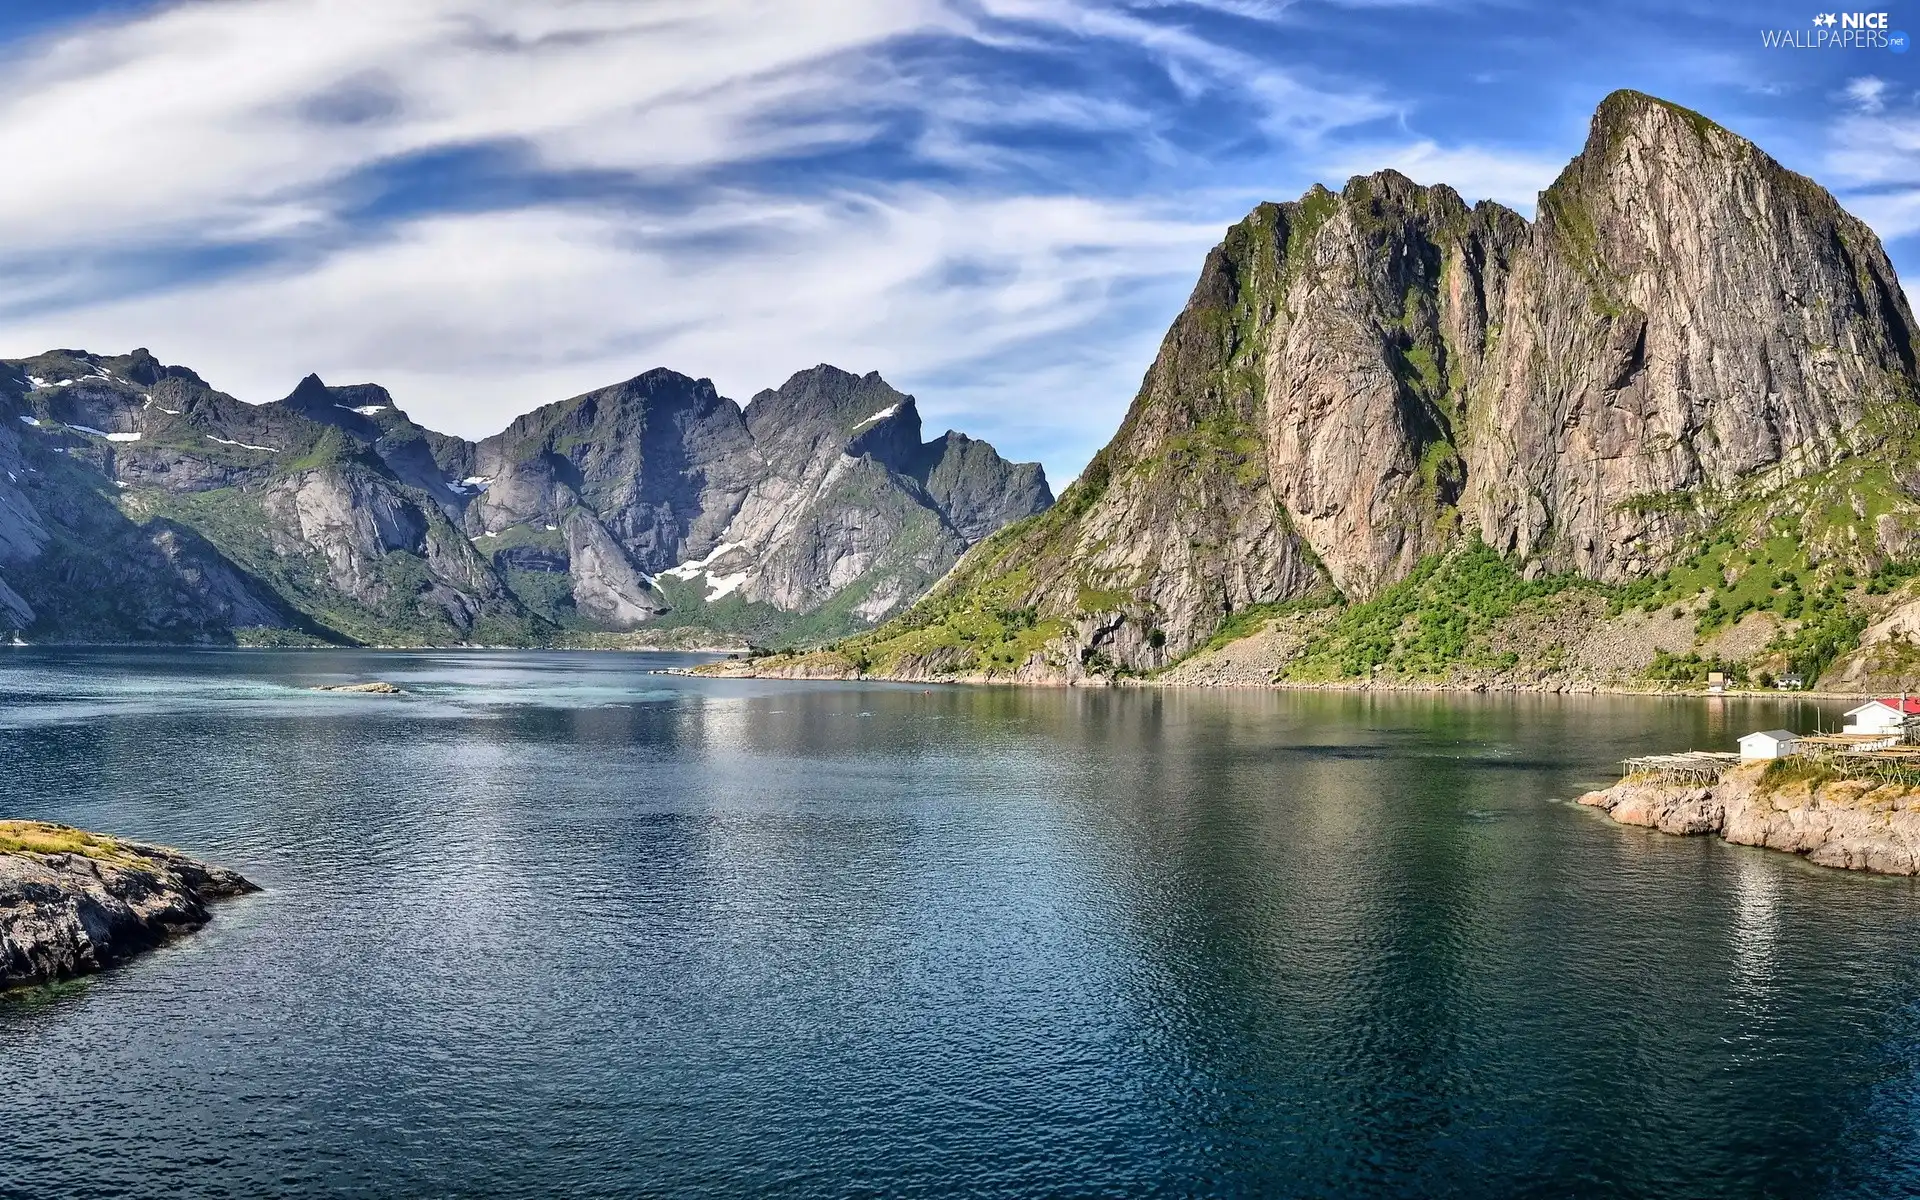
(72, 902)
(804, 670)
(1829, 818)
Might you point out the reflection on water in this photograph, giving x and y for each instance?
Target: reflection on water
(552, 923)
(1756, 916)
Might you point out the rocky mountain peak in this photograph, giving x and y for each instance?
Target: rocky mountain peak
(658, 390)
(825, 394)
(141, 367)
(330, 513)
(1627, 120)
(309, 393)
(1363, 379)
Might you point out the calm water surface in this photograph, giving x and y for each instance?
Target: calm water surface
(554, 925)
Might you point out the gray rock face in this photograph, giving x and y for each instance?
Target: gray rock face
(350, 519)
(847, 494)
(977, 489)
(69, 914)
(367, 413)
(21, 533)
(1690, 316)
(1363, 378)
(661, 460)
(816, 489)
(331, 513)
(607, 589)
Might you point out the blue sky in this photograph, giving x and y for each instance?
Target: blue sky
(999, 204)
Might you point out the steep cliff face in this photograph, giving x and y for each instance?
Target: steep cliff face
(72, 559)
(1691, 319)
(976, 489)
(431, 462)
(21, 533)
(817, 495)
(1688, 335)
(136, 501)
(662, 460)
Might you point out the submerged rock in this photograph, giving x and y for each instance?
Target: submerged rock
(377, 687)
(73, 902)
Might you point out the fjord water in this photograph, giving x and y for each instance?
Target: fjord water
(551, 924)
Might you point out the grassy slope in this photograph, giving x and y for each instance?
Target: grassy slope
(1809, 555)
(42, 837)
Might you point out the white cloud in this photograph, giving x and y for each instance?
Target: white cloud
(217, 120)
(1892, 215)
(1873, 161)
(212, 124)
(1867, 93)
(471, 319)
(1476, 173)
(1294, 107)
(207, 115)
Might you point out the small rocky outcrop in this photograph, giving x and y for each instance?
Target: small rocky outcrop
(1834, 820)
(73, 902)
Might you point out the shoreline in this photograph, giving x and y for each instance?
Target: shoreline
(1825, 816)
(383, 649)
(74, 903)
(731, 666)
(739, 669)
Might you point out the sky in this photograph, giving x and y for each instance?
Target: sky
(488, 205)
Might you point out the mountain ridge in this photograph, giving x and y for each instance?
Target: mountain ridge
(330, 515)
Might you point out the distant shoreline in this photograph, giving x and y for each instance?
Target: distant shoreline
(742, 669)
(384, 649)
(730, 666)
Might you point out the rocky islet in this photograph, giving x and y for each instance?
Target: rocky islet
(72, 902)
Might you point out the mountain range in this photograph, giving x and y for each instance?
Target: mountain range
(138, 503)
(1669, 425)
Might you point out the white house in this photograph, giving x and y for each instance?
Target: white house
(1887, 715)
(1769, 743)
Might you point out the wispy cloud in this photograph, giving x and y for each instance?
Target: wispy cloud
(198, 119)
(473, 318)
(1873, 158)
(1867, 93)
(1291, 103)
(242, 144)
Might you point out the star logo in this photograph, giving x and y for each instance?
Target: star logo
(1827, 19)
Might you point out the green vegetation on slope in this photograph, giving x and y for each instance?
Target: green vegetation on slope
(1248, 621)
(1429, 622)
(404, 613)
(43, 838)
(964, 630)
